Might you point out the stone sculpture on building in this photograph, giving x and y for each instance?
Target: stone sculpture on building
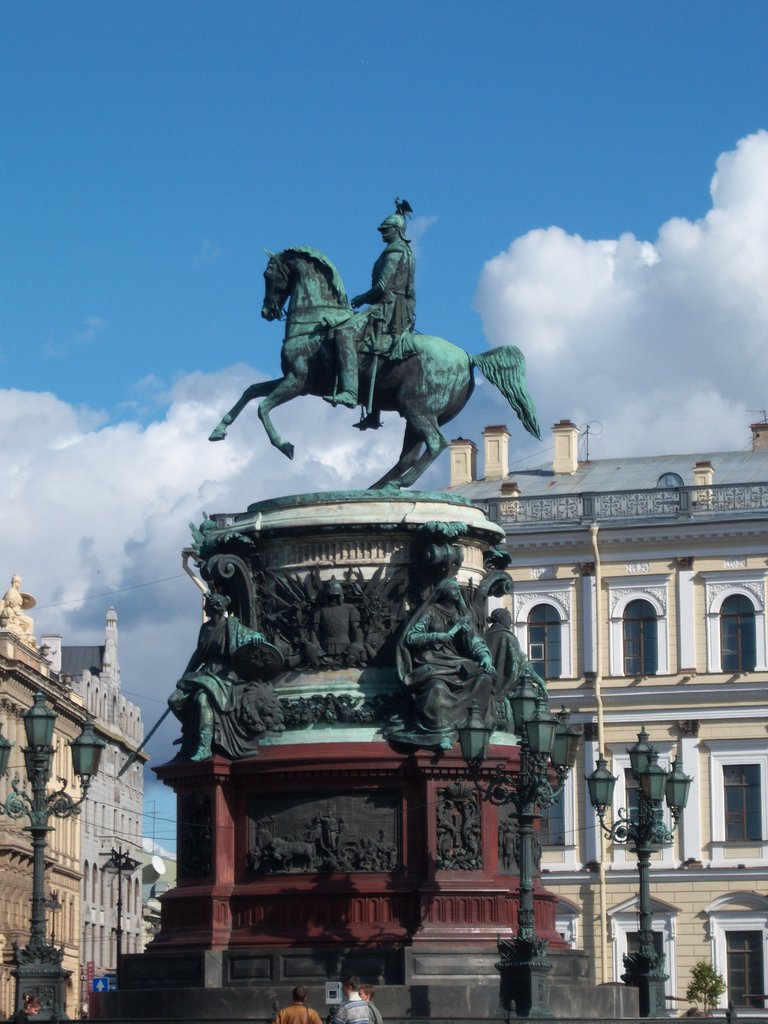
(12, 612)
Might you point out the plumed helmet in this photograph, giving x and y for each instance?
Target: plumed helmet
(333, 588)
(397, 219)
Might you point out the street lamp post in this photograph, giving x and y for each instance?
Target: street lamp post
(548, 748)
(646, 831)
(38, 964)
(120, 863)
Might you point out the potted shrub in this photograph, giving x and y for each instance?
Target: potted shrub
(706, 986)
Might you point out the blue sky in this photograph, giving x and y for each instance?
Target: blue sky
(153, 149)
(588, 180)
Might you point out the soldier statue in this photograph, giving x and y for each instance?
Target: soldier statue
(384, 328)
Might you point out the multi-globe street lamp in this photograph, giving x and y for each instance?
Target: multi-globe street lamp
(38, 964)
(646, 831)
(548, 748)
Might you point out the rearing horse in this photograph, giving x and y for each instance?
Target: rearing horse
(428, 388)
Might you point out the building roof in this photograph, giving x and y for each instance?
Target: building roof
(624, 474)
(75, 660)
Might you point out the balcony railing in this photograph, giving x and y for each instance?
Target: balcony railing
(614, 506)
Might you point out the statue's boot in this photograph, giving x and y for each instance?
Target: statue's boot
(370, 422)
(348, 398)
(346, 356)
(204, 746)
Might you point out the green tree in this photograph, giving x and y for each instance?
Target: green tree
(706, 985)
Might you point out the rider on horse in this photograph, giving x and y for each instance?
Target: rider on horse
(384, 329)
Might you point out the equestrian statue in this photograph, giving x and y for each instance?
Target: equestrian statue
(373, 356)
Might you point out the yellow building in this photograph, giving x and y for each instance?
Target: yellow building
(24, 671)
(640, 594)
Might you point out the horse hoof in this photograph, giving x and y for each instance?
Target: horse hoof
(287, 449)
(218, 434)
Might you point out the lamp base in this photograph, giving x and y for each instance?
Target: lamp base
(647, 975)
(47, 981)
(523, 986)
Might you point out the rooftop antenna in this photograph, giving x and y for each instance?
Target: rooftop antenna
(586, 430)
(762, 413)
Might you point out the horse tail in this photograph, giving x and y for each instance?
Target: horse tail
(504, 367)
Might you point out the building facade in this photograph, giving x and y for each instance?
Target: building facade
(111, 817)
(640, 595)
(25, 671)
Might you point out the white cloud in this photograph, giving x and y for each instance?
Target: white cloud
(662, 341)
(96, 513)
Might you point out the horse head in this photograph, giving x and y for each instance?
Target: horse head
(277, 288)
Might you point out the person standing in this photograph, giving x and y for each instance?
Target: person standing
(298, 1012)
(367, 992)
(354, 1009)
(29, 1009)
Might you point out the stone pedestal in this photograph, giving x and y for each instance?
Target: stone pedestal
(329, 850)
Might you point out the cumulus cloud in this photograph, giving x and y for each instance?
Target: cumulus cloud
(97, 513)
(662, 341)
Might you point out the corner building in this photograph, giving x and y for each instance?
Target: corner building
(640, 595)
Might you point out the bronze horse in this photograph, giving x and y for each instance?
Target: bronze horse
(428, 388)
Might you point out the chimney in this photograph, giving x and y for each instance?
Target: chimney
(53, 643)
(703, 478)
(703, 474)
(496, 452)
(759, 436)
(463, 462)
(566, 447)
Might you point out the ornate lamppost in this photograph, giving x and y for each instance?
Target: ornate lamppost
(38, 964)
(646, 831)
(120, 863)
(548, 748)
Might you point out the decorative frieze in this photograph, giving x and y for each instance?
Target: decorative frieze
(458, 828)
(335, 832)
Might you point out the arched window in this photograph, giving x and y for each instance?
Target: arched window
(737, 634)
(544, 643)
(669, 480)
(641, 643)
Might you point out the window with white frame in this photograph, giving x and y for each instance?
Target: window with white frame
(738, 929)
(735, 603)
(638, 630)
(640, 639)
(738, 775)
(567, 914)
(558, 827)
(542, 615)
(737, 634)
(624, 929)
(545, 641)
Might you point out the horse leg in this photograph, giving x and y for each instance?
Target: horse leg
(435, 442)
(419, 430)
(289, 387)
(254, 391)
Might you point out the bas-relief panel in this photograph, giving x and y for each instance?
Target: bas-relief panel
(333, 832)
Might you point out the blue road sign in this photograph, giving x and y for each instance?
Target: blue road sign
(107, 983)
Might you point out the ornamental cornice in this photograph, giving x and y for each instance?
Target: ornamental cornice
(560, 596)
(619, 594)
(715, 588)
